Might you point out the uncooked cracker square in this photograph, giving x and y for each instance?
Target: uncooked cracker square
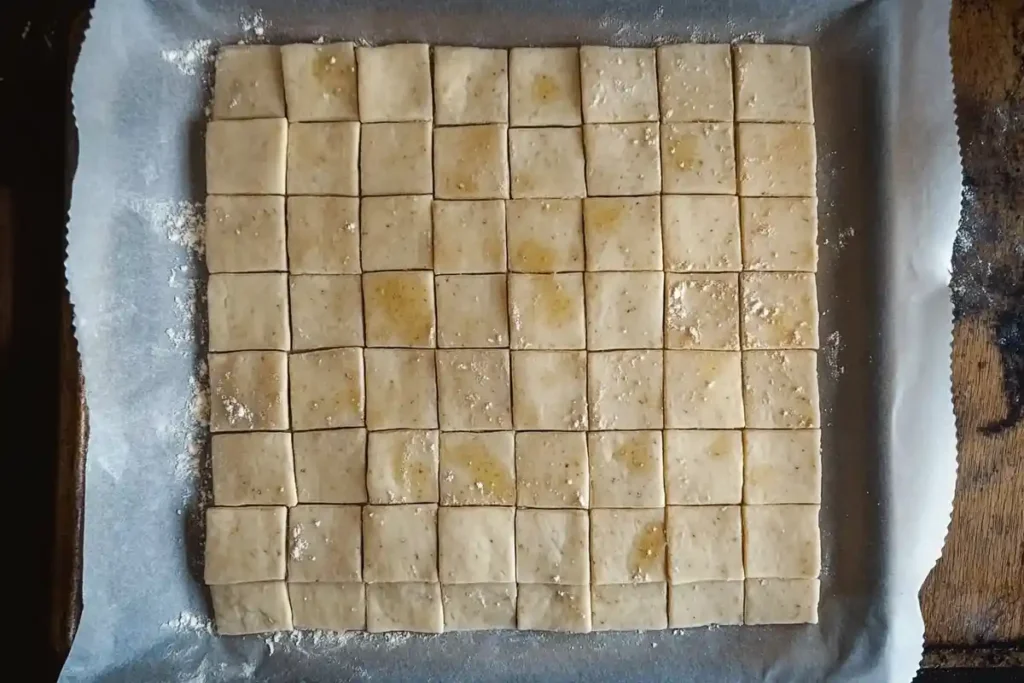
(470, 85)
(395, 158)
(625, 310)
(629, 607)
(402, 389)
(477, 606)
(779, 233)
(626, 389)
(399, 543)
(472, 311)
(323, 158)
(781, 541)
(320, 82)
(474, 390)
(704, 543)
(244, 544)
(549, 390)
(248, 391)
(702, 311)
(325, 543)
(703, 467)
(698, 158)
(701, 233)
(781, 601)
(619, 84)
(695, 82)
(552, 547)
(622, 159)
(471, 162)
(399, 308)
(323, 235)
(545, 235)
(396, 233)
(330, 465)
(252, 469)
(780, 310)
(553, 607)
(328, 606)
(244, 608)
(776, 159)
(327, 389)
(626, 469)
(414, 607)
(477, 468)
(551, 470)
(246, 157)
(773, 83)
(401, 466)
(245, 234)
(326, 311)
(627, 546)
(394, 83)
(248, 311)
(782, 466)
(247, 83)
(623, 233)
(547, 311)
(780, 389)
(469, 236)
(703, 390)
(544, 86)
(477, 544)
(703, 603)
(547, 162)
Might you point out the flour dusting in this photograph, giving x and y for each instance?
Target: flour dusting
(255, 23)
(189, 622)
(190, 60)
(831, 350)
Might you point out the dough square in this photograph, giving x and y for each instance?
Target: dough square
(551, 471)
(698, 158)
(544, 86)
(470, 85)
(559, 607)
(773, 83)
(469, 236)
(328, 606)
(402, 389)
(323, 235)
(547, 162)
(779, 233)
(471, 162)
(246, 608)
(549, 390)
(320, 82)
(701, 233)
(776, 159)
(325, 543)
(546, 311)
(478, 468)
(472, 311)
(545, 235)
(323, 158)
(399, 543)
(619, 84)
(781, 541)
(248, 311)
(629, 607)
(702, 311)
(782, 466)
(627, 546)
(327, 389)
(625, 310)
(245, 234)
(781, 601)
(244, 544)
(402, 466)
(626, 390)
(695, 82)
(397, 233)
(780, 310)
(249, 391)
(622, 159)
(703, 390)
(704, 603)
(626, 470)
(780, 389)
(477, 544)
(552, 547)
(395, 158)
(246, 157)
(478, 606)
(703, 467)
(248, 83)
(330, 465)
(399, 308)
(253, 469)
(394, 83)
(474, 390)
(327, 311)
(704, 543)
(623, 233)
(412, 607)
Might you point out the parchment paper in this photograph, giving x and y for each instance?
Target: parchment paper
(889, 191)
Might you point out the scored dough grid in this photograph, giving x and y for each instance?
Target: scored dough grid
(550, 365)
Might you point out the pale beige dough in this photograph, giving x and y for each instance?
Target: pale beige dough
(702, 311)
(470, 85)
(246, 157)
(402, 389)
(781, 541)
(552, 547)
(246, 608)
(544, 86)
(627, 546)
(704, 543)
(474, 390)
(782, 466)
(547, 311)
(323, 235)
(779, 233)
(629, 607)
(701, 233)
(395, 158)
(396, 233)
(780, 310)
(469, 237)
(476, 606)
(626, 469)
(624, 310)
(253, 469)
(622, 159)
(323, 158)
(247, 83)
(320, 82)
(471, 162)
(547, 162)
(698, 158)
(248, 311)
(402, 466)
(394, 83)
(781, 601)
(619, 84)
(399, 308)
(325, 543)
(550, 607)
(245, 234)
(326, 311)
(623, 233)
(703, 467)
(472, 311)
(245, 544)
(477, 468)
(248, 391)
(327, 389)
(695, 82)
(545, 235)
(626, 389)
(328, 606)
(549, 390)
(404, 607)
(704, 603)
(551, 470)
(399, 543)
(780, 389)
(477, 544)
(776, 159)
(703, 390)
(330, 465)
(773, 83)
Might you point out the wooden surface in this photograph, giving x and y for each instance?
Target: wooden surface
(975, 594)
